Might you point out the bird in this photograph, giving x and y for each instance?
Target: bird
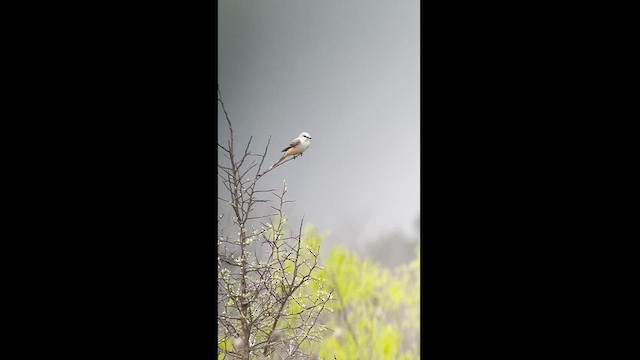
(295, 148)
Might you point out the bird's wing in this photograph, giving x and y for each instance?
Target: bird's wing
(294, 143)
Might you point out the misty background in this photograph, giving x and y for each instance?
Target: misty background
(348, 73)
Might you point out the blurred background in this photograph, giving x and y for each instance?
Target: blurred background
(346, 72)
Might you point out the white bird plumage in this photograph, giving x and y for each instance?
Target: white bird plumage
(295, 148)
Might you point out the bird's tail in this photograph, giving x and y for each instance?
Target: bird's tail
(278, 162)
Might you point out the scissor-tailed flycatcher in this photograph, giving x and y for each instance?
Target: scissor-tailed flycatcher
(297, 147)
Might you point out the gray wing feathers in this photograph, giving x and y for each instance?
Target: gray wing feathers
(294, 143)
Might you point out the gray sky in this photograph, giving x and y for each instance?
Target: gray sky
(346, 72)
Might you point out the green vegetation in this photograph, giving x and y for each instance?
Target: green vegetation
(375, 312)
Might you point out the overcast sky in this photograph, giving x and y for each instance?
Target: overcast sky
(346, 72)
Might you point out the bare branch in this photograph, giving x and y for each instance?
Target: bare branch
(262, 271)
